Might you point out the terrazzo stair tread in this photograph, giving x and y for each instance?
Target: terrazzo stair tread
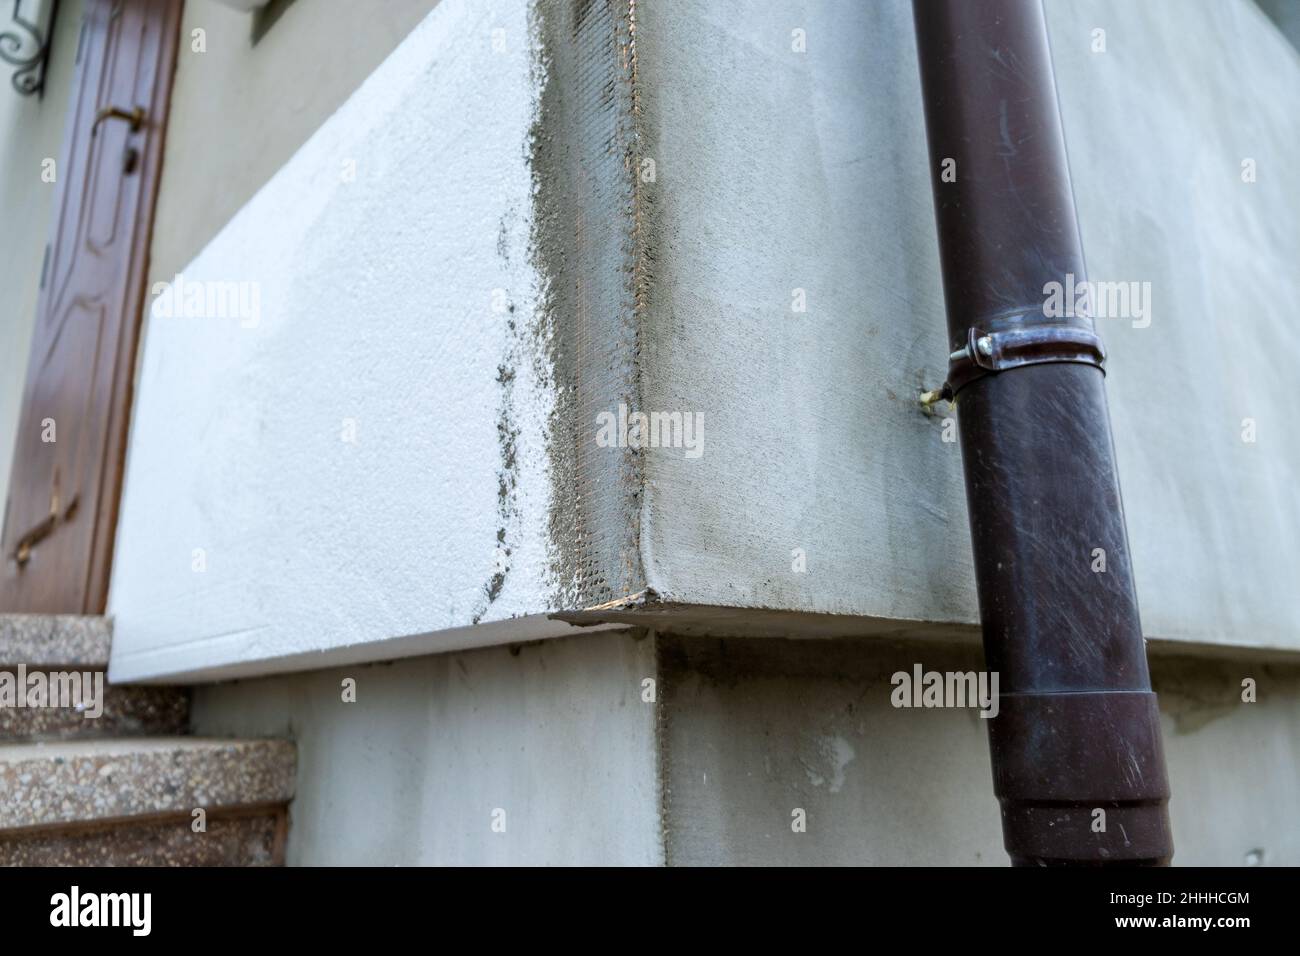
(117, 790)
(72, 642)
(128, 711)
(48, 640)
(237, 839)
(75, 783)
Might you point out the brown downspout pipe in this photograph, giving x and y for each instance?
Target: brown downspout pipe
(1078, 730)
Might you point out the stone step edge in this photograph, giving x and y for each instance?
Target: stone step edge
(55, 784)
(76, 828)
(55, 640)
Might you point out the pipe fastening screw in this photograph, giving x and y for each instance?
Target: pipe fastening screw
(984, 344)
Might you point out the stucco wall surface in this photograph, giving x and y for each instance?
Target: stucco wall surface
(740, 734)
(556, 735)
(355, 451)
(752, 730)
(649, 214)
(784, 174)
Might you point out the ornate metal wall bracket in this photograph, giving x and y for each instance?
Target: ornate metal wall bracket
(25, 44)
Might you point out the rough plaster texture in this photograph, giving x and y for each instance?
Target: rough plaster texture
(474, 494)
(401, 303)
(31, 131)
(586, 244)
(780, 171)
(752, 729)
(555, 734)
(476, 505)
(1157, 129)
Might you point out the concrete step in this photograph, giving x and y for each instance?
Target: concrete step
(132, 801)
(72, 651)
(55, 640)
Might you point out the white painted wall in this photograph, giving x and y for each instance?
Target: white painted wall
(376, 305)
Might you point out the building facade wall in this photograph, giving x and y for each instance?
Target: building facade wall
(365, 430)
(556, 734)
(247, 94)
(792, 174)
(741, 735)
(735, 172)
(755, 729)
(392, 188)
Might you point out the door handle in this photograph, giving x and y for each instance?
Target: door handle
(23, 549)
(135, 117)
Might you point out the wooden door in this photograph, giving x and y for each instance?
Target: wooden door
(69, 454)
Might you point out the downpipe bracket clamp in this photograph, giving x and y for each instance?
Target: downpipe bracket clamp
(991, 352)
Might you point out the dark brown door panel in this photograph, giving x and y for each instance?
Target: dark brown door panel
(64, 493)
